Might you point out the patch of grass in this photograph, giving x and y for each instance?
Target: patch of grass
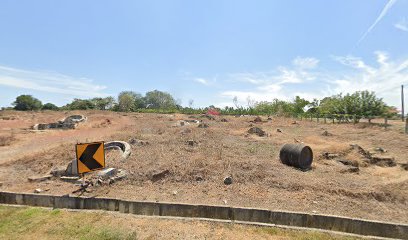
(38, 223)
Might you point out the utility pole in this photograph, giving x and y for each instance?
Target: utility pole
(402, 103)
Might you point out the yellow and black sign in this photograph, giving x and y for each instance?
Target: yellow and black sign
(90, 156)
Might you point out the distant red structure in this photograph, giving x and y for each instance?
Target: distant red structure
(213, 111)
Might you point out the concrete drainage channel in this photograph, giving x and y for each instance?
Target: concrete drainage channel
(248, 215)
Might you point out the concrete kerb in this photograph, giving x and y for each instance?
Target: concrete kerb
(249, 215)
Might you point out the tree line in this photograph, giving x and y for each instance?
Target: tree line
(345, 107)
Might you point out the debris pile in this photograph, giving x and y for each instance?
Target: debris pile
(258, 131)
(70, 122)
(375, 156)
(326, 134)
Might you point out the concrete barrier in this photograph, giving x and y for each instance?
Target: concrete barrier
(262, 216)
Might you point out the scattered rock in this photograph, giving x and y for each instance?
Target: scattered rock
(361, 150)
(72, 169)
(122, 174)
(1, 184)
(327, 134)
(294, 122)
(349, 162)
(58, 171)
(192, 142)
(38, 190)
(383, 161)
(199, 179)
(380, 149)
(269, 119)
(403, 165)
(224, 120)
(297, 141)
(257, 120)
(258, 131)
(111, 181)
(175, 193)
(192, 121)
(138, 142)
(160, 175)
(278, 130)
(203, 125)
(351, 170)
(228, 180)
(225, 201)
(185, 131)
(99, 182)
(107, 173)
(328, 155)
(181, 123)
(39, 178)
(69, 178)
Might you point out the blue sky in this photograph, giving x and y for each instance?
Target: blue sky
(208, 51)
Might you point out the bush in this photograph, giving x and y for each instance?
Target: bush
(50, 106)
(27, 103)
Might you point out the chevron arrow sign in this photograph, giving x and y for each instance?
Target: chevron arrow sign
(90, 156)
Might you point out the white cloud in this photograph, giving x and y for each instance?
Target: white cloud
(266, 86)
(402, 25)
(386, 8)
(384, 77)
(49, 82)
(205, 81)
(202, 81)
(308, 62)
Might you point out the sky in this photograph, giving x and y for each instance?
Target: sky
(206, 51)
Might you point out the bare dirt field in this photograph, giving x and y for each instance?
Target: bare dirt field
(343, 180)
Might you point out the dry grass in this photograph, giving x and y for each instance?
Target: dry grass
(39, 223)
(6, 140)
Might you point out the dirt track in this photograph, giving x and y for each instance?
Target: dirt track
(196, 172)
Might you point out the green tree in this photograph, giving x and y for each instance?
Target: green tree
(80, 104)
(160, 100)
(50, 106)
(127, 100)
(27, 103)
(103, 103)
(299, 104)
(370, 105)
